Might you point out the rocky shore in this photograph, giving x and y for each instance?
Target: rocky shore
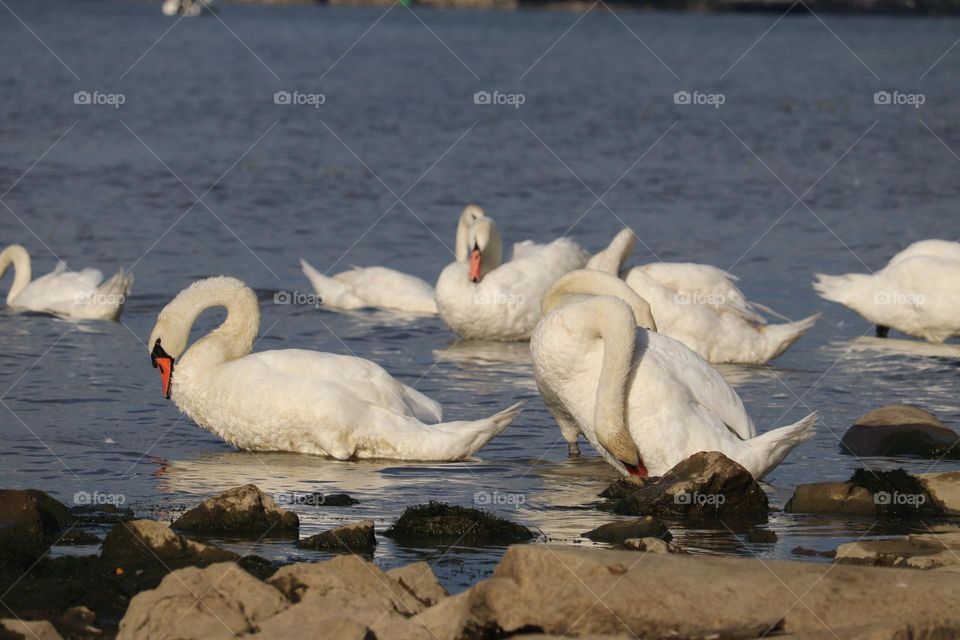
(155, 579)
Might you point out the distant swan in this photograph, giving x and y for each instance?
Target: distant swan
(296, 400)
(917, 293)
(643, 400)
(70, 294)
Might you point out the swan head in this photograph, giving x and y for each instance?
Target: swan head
(471, 213)
(484, 248)
(621, 448)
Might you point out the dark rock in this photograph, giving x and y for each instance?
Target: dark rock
(618, 532)
(28, 521)
(706, 486)
(101, 514)
(761, 536)
(438, 522)
(650, 545)
(241, 511)
(901, 430)
(148, 543)
(625, 487)
(352, 538)
(75, 537)
(803, 551)
(321, 500)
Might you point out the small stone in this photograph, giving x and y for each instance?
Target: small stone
(918, 551)
(29, 520)
(899, 429)
(241, 511)
(761, 536)
(831, 497)
(438, 522)
(620, 531)
(351, 538)
(803, 551)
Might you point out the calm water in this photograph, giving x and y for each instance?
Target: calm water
(83, 410)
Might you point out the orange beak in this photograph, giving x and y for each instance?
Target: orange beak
(163, 361)
(475, 259)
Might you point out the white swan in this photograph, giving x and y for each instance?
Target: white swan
(70, 294)
(643, 400)
(482, 298)
(702, 307)
(296, 400)
(916, 293)
(374, 287)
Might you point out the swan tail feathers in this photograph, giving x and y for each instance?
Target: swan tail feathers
(332, 292)
(112, 295)
(781, 337)
(470, 437)
(770, 312)
(840, 289)
(773, 446)
(611, 259)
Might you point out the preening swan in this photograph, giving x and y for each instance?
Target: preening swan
(917, 293)
(702, 307)
(480, 297)
(296, 400)
(643, 400)
(71, 294)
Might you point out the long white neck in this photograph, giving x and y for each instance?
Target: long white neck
(587, 282)
(231, 340)
(18, 257)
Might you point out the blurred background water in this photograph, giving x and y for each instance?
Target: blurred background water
(200, 173)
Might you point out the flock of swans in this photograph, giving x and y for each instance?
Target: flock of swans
(622, 356)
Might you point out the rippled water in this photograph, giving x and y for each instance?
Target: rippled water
(107, 187)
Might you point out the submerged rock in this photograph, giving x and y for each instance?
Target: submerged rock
(438, 522)
(918, 551)
(351, 538)
(219, 601)
(241, 511)
(803, 551)
(899, 430)
(868, 492)
(651, 545)
(148, 543)
(618, 532)
(706, 486)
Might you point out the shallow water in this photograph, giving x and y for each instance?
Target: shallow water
(81, 405)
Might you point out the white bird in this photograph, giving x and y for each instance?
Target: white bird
(642, 399)
(917, 293)
(482, 298)
(702, 307)
(374, 287)
(296, 400)
(69, 294)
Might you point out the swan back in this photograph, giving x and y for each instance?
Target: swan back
(234, 337)
(587, 282)
(17, 256)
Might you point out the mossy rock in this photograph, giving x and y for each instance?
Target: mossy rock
(438, 522)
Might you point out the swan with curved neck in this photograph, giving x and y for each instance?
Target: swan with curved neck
(643, 400)
(482, 297)
(71, 294)
(296, 400)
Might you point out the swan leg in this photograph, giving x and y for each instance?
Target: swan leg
(573, 449)
(882, 331)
